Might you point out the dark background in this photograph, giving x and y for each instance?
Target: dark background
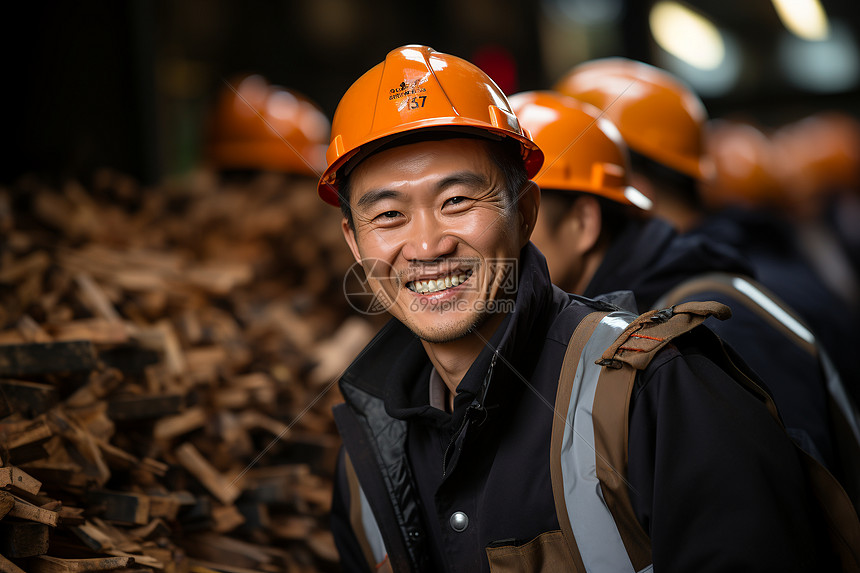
(128, 84)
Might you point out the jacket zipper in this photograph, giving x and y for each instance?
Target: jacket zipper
(476, 405)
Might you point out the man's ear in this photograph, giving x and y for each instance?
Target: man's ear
(580, 228)
(349, 236)
(528, 205)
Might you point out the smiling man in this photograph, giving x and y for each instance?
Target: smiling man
(483, 429)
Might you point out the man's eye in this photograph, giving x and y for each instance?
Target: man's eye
(455, 200)
(387, 216)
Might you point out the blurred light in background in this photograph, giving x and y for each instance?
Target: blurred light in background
(687, 35)
(694, 48)
(708, 83)
(805, 19)
(827, 66)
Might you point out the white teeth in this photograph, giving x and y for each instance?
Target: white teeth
(436, 285)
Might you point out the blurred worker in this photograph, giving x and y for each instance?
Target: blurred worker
(480, 429)
(819, 170)
(265, 148)
(261, 127)
(773, 217)
(662, 121)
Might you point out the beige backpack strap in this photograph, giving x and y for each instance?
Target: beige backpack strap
(654, 329)
(753, 296)
(611, 409)
(565, 385)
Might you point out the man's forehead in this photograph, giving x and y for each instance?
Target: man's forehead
(413, 160)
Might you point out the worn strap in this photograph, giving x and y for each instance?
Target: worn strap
(562, 402)
(611, 427)
(753, 296)
(653, 330)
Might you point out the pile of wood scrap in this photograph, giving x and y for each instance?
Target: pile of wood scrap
(168, 359)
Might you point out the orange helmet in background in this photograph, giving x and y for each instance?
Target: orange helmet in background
(820, 153)
(255, 125)
(658, 115)
(582, 151)
(415, 89)
(744, 166)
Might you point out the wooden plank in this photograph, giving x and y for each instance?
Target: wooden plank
(202, 566)
(48, 564)
(94, 298)
(25, 510)
(17, 480)
(252, 419)
(130, 508)
(93, 537)
(19, 360)
(7, 566)
(95, 330)
(226, 518)
(99, 385)
(27, 432)
(164, 505)
(145, 407)
(29, 398)
(19, 539)
(130, 359)
(26, 440)
(217, 484)
(187, 421)
(7, 502)
(152, 530)
(31, 331)
(71, 515)
(14, 271)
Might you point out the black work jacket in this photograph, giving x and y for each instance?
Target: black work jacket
(714, 480)
(650, 259)
(770, 244)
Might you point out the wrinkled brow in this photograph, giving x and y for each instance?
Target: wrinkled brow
(377, 195)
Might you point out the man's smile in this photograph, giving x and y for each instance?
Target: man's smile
(440, 283)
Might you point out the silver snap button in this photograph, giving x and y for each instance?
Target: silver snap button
(459, 521)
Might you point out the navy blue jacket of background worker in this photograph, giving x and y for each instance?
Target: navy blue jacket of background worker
(651, 259)
(713, 479)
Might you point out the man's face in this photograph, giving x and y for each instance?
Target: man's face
(437, 235)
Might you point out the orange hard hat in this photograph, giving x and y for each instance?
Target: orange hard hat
(657, 114)
(744, 165)
(582, 151)
(414, 89)
(255, 125)
(820, 153)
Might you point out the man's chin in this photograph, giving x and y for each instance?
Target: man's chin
(450, 332)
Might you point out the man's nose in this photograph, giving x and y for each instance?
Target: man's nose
(428, 239)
